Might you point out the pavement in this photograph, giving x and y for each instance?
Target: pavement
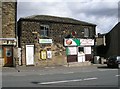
(38, 68)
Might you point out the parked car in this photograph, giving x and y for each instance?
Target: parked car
(113, 61)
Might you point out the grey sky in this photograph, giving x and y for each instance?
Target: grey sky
(103, 13)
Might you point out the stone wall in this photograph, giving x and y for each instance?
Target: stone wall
(0, 19)
(57, 31)
(8, 19)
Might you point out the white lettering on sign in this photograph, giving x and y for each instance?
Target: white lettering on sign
(85, 42)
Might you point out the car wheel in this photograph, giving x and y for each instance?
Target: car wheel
(118, 66)
(108, 66)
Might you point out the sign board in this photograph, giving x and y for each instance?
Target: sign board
(71, 42)
(45, 41)
(86, 42)
(71, 50)
(49, 54)
(8, 41)
(43, 55)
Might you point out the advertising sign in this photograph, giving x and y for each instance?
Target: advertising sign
(43, 55)
(86, 42)
(71, 50)
(45, 40)
(49, 54)
(71, 42)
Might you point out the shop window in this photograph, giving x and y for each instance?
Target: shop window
(86, 32)
(44, 30)
(80, 49)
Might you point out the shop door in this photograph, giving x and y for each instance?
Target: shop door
(8, 56)
(29, 54)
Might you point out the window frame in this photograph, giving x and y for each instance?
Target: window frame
(86, 32)
(44, 30)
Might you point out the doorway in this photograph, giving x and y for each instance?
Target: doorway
(8, 56)
(29, 54)
(81, 54)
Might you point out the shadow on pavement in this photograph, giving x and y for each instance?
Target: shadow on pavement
(35, 82)
(105, 67)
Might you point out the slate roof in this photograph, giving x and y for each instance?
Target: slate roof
(56, 19)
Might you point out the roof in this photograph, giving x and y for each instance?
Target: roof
(116, 27)
(56, 19)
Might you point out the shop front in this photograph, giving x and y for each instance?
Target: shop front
(6, 51)
(79, 50)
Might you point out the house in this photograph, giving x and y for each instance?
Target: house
(100, 45)
(8, 32)
(113, 41)
(41, 38)
(111, 44)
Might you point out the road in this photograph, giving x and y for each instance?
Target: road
(61, 77)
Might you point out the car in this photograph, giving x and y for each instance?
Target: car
(113, 61)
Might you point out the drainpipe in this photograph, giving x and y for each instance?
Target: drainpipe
(104, 41)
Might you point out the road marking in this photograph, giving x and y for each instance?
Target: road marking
(65, 81)
(106, 69)
(117, 75)
(69, 73)
(90, 78)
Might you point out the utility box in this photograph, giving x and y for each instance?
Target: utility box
(96, 59)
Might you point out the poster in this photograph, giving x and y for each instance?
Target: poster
(49, 54)
(87, 50)
(71, 50)
(43, 55)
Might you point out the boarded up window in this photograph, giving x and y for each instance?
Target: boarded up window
(86, 32)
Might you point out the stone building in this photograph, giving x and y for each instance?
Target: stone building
(42, 37)
(8, 32)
